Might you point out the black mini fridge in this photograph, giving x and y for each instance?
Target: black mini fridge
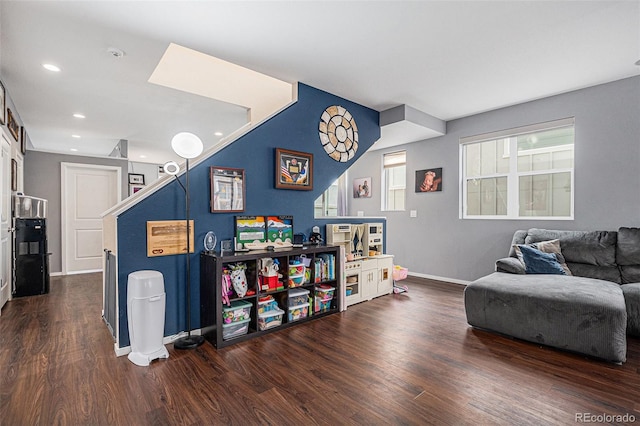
(30, 257)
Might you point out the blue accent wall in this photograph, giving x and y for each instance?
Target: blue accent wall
(295, 128)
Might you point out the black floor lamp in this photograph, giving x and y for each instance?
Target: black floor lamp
(188, 146)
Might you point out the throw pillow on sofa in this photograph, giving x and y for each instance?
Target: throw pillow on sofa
(538, 262)
(551, 246)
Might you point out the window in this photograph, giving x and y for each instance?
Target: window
(395, 180)
(327, 204)
(519, 173)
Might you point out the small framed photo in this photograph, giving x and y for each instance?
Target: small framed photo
(14, 174)
(23, 140)
(133, 188)
(294, 170)
(12, 125)
(227, 189)
(3, 104)
(136, 179)
(429, 180)
(362, 188)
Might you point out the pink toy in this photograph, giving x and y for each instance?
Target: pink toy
(226, 288)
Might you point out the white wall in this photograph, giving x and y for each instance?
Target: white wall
(150, 172)
(607, 185)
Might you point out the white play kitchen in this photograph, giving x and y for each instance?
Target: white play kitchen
(368, 272)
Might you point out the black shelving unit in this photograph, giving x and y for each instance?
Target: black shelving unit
(212, 265)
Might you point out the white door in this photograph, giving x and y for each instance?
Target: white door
(87, 191)
(5, 221)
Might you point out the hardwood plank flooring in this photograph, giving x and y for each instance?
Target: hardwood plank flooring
(407, 359)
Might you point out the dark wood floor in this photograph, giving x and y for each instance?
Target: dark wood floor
(399, 359)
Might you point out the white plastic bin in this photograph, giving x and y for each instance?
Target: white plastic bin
(145, 308)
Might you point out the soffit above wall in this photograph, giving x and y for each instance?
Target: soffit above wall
(404, 124)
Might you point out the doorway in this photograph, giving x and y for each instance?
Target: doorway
(87, 191)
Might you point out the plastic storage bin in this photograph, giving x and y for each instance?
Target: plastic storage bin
(270, 319)
(237, 311)
(298, 312)
(235, 329)
(145, 309)
(266, 304)
(296, 280)
(298, 296)
(321, 305)
(325, 292)
(296, 269)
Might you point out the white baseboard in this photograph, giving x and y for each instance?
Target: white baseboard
(437, 278)
(60, 274)
(167, 340)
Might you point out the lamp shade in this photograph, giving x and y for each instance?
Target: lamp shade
(171, 168)
(187, 145)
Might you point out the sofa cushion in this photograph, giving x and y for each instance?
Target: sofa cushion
(539, 262)
(552, 246)
(629, 274)
(607, 273)
(628, 247)
(518, 238)
(632, 300)
(510, 265)
(573, 313)
(590, 247)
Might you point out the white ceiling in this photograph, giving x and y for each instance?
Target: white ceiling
(447, 59)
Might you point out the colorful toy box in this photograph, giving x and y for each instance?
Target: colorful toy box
(238, 310)
(325, 292)
(298, 312)
(266, 304)
(270, 319)
(298, 296)
(235, 329)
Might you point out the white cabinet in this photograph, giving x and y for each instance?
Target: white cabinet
(385, 275)
(369, 279)
(375, 277)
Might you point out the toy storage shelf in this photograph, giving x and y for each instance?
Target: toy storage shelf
(212, 306)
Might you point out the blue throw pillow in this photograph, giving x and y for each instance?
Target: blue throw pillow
(538, 262)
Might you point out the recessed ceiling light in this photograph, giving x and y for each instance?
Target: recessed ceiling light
(75, 136)
(74, 150)
(218, 134)
(143, 156)
(51, 67)
(115, 52)
(78, 115)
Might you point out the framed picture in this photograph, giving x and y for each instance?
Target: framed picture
(362, 188)
(23, 140)
(14, 174)
(227, 189)
(280, 229)
(249, 229)
(429, 180)
(133, 188)
(12, 125)
(136, 179)
(3, 104)
(294, 170)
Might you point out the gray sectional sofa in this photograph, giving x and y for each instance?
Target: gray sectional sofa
(591, 311)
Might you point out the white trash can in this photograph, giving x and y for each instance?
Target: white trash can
(145, 308)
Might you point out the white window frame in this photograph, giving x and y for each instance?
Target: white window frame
(385, 189)
(513, 176)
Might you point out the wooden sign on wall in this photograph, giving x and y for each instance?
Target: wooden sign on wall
(167, 237)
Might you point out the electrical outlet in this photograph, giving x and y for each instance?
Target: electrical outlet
(413, 213)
